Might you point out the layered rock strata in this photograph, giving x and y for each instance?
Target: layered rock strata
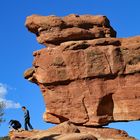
(68, 131)
(55, 30)
(86, 75)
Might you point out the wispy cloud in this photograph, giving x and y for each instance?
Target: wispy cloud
(9, 104)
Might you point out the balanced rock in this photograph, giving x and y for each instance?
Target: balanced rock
(86, 75)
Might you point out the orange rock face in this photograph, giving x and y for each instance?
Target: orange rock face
(55, 30)
(68, 131)
(86, 75)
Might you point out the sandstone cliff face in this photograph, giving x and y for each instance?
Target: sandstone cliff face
(86, 75)
(92, 81)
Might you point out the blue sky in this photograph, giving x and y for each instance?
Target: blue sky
(17, 45)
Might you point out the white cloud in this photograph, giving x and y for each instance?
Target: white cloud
(3, 90)
(9, 104)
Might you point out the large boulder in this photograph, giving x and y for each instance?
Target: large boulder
(86, 75)
(55, 30)
(68, 131)
(90, 82)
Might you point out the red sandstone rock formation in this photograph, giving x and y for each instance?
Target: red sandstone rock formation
(86, 75)
(55, 30)
(67, 131)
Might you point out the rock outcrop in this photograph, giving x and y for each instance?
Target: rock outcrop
(68, 131)
(55, 30)
(86, 75)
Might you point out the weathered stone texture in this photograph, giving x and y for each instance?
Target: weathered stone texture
(55, 30)
(85, 74)
(98, 78)
(68, 131)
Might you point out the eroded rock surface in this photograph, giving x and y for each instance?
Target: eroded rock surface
(68, 131)
(55, 30)
(86, 75)
(98, 78)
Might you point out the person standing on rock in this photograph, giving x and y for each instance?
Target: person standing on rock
(26, 118)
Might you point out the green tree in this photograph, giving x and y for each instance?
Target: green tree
(2, 106)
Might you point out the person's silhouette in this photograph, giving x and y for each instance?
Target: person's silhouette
(27, 119)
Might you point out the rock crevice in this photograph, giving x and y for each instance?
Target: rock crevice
(86, 75)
